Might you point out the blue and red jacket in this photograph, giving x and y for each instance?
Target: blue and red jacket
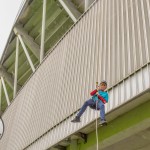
(102, 95)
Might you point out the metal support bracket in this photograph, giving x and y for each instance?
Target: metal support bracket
(67, 141)
(82, 136)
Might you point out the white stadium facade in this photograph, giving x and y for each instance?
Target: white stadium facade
(56, 52)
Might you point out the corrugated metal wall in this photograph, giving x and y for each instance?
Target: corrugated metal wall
(123, 92)
(111, 41)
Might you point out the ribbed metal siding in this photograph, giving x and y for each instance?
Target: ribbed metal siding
(119, 94)
(110, 42)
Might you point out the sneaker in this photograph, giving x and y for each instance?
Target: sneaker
(76, 119)
(103, 123)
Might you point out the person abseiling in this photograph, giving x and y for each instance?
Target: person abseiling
(99, 96)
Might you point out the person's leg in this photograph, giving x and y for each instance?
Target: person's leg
(82, 110)
(102, 110)
(84, 107)
(102, 113)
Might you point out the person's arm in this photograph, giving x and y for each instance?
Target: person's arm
(93, 92)
(102, 99)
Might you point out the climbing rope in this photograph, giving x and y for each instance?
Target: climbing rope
(96, 128)
(96, 122)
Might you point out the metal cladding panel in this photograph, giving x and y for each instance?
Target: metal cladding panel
(111, 41)
(119, 94)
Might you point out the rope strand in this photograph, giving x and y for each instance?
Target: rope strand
(96, 128)
(96, 122)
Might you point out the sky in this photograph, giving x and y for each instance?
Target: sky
(8, 13)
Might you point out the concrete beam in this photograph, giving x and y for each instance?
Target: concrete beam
(8, 77)
(43, 31)
(34, 47)
(70, 9)
(16, 67)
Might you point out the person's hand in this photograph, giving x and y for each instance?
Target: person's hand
(97, 93)
(97, 88)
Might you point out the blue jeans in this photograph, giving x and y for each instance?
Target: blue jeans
(91, 102)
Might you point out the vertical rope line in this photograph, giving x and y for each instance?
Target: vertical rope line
(96, 122)
(96, 127)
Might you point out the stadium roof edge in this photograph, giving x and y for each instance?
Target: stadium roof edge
(20, 13)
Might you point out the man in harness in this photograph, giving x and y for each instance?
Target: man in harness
(99, 96)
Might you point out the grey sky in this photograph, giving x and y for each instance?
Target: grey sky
(8, 11)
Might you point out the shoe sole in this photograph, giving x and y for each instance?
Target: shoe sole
(75, 121)
(104, 124)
